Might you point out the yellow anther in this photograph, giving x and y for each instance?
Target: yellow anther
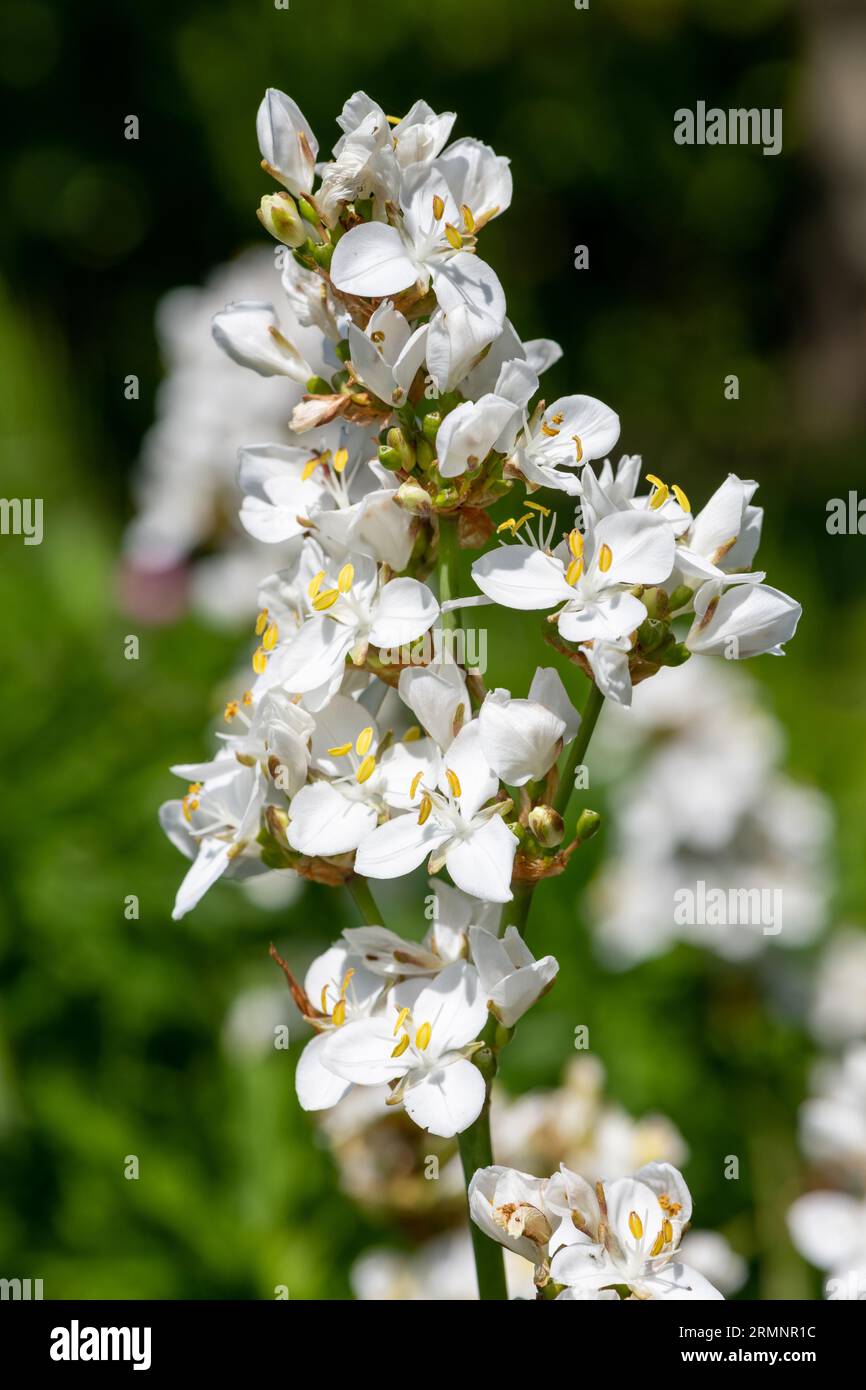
(635, 1225)
(527, 516)
(453, 782)
(681, 498)
(315, 584)
(605, 558)
(323, 1001)
(651, 478)
(557, 419)
(194, 788)
(247, 697)
(549, 430)
(415, 781)
(508, 525)
(338, 1017)
(366, 769)
(326, 599)
(659, 497)
(341, 457)
(438, 207)
(363, 741)
(310, 467)
(658, 1244)
(453, 236)
(412, 734)
(270, 636)
(346, 578)
(575, 543)
(401, 1046)
(422, 1037)
(574, 571)
(537, 507)
(468, 219)
(377, 337)
(341, 751)
(401, 1019)
(346, 981)
(260, 660)
(578, 447)
(261, 622)
(667, 1231)
(393, 120)
(426, 808)
(230, 711)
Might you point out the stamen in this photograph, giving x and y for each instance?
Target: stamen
(681, 498)
(315, 584)
(347, 980)
(605, 558)
(667, 1231)
(574, 571)
(401, 1019)
(401, 1046)
(438, 207)
(324, 999)
(426, 808)
(651, 478)
(364, 739)
(310, 467)
(468, 219)
(557, 419)
(508, 525)
(537, 507)
(578, 447)
(366, 769)
(230, 711)
(415, 780)
(453, 782)
(326, 599)
(422, 1037)
(341, 457)
(261, 622)
(346, 578)
(260, 660)
(341, 751)
(635, 1225)
(453, 236)
(659, 497)
(338, 1017)
(658, 1244)
(527, 516)
(247, 698)
(412, 734)
(271, 634)
(549, 431)
(575, 543)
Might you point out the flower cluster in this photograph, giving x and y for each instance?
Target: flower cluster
(616, 1239)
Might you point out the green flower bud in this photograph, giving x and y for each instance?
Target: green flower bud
(547, 826)
(588, 824)
(676, 655)
(681, 597)
(651, 634)
(278, 214)
(430, 425)
(425, 454)
(655, 601)
(400, 444)
(389, 458)
(317, 386)
(343, 351)
(308, 212)
(412, 497)
(322, 254)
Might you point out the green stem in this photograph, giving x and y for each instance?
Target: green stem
(577, 752)
(447, 563)
(366, 904)
(476, 1151)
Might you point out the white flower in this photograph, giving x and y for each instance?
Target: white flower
(469, 432)
(339, 992)
(511, 978)
(590, 580)
(609, 663)
(748, 619)
(629, 1233)
(387, 354)
(509, 1207)
(829, 1230)
(250, 333)
(454, 826)
(347, 609)
(724, 535)
(478, 178)
(616, 492)
(712, 1256)
(420, 1042)
(521, 739)
(215, 824)
(566, 435)
(355, 783)
(386, 953)
(538, 354)
(277, 734)
(287, 144)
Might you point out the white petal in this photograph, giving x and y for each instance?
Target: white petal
(435, 695)
(452, 1003)
(481, 865)
(324, 822)
(448, 1100)
(361, 1052)
(318, 1088)
(478, 781)
(609, 618)
(828, 1228)
(286, 141)
(548, 690)
(372, 259)
(747, 621)
(520, 738)
(398, 847)
(518, 576)
(311, 658)
(477, 177)
(403, 611)
(468, 433)
(209, 865)
(249, 333)
(677, 1282)
(642, 548)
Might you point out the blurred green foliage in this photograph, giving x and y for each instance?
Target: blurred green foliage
(112, 1032)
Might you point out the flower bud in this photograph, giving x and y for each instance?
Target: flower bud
(588, 824)
(400, 445)
(412, 497)
(308, 212)
(322, 254)
(651, 634)
(389, 458)
(425, 454)
(547, 826)
(430, 425)
(680, 598)
(278, 214)
(655, 600)
(675, 655)
(317, 386)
